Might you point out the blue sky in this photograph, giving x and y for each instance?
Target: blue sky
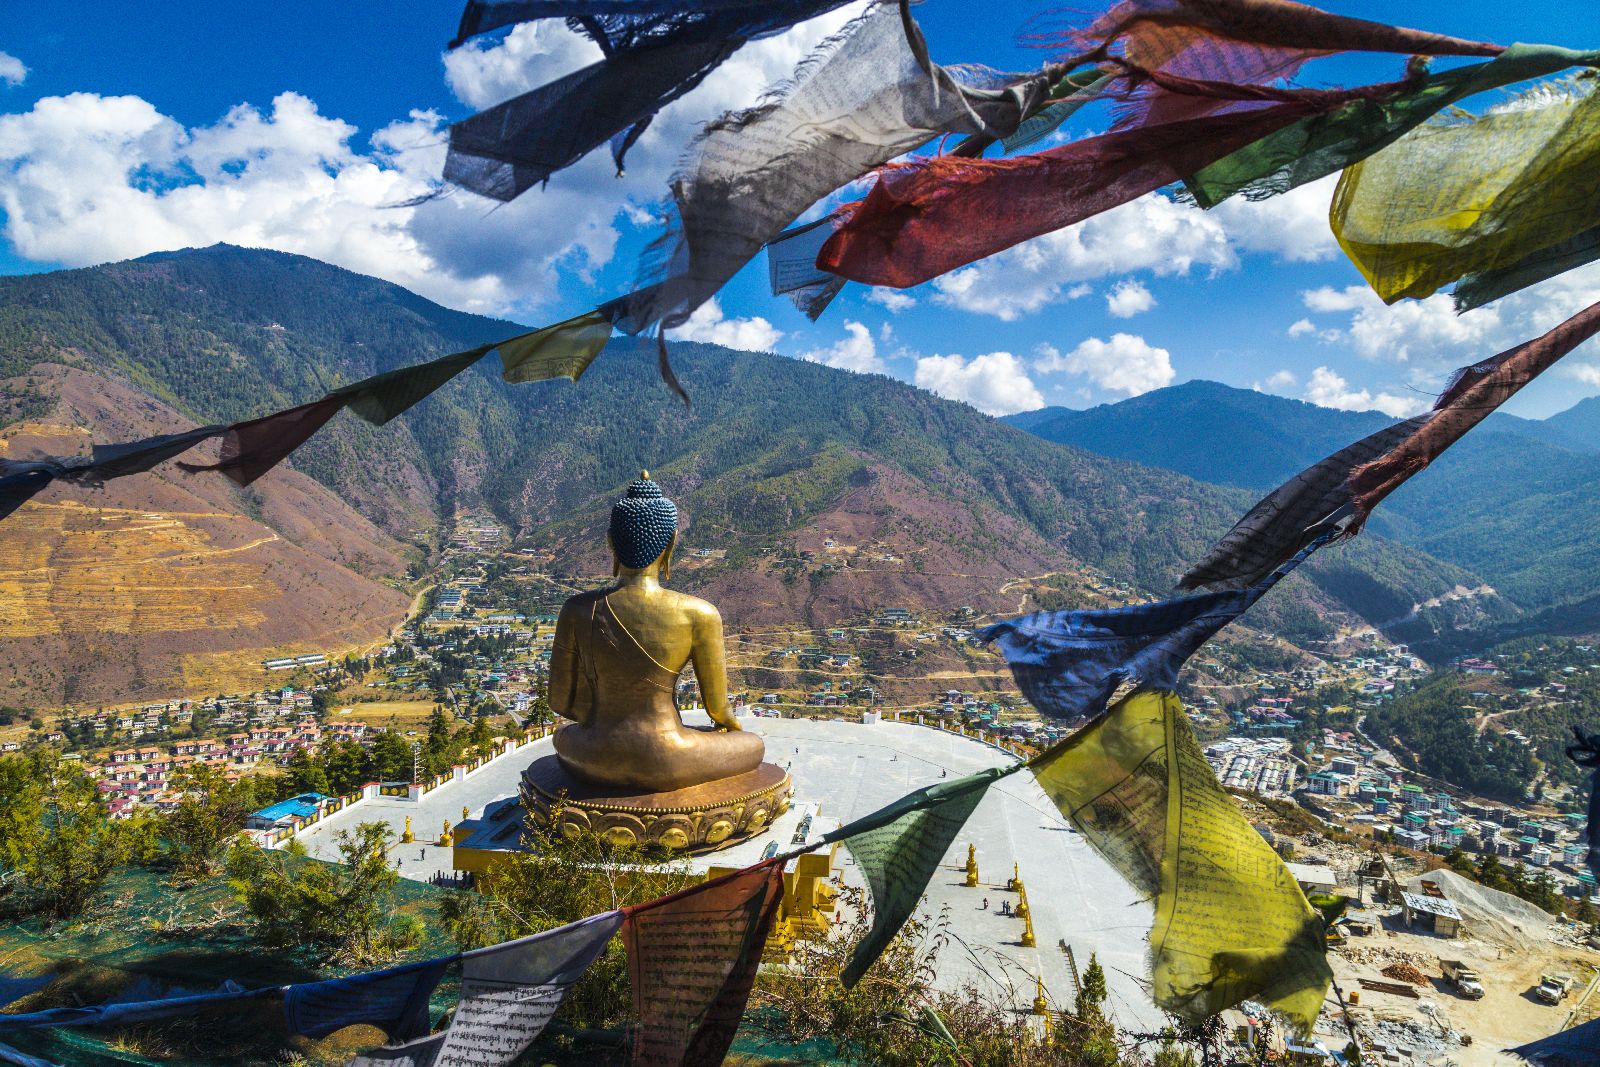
(293, 125)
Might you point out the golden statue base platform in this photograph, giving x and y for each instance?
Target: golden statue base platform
(700, 818)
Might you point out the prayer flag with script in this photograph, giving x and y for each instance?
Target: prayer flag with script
(1577, 1046)
(692, 958)
(1231, 923)
(1069, 663)
(562, 350)
(900, 847)
(1462, 197)
(509, 992)
(395, 999)
(423, 1052)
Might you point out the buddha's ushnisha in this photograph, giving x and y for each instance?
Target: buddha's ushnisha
(615, 661)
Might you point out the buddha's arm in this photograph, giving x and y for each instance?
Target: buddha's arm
(711, 668)
(564, 669)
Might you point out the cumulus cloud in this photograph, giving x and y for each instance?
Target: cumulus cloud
(1301, 327)
(12, 70)
(708, 324)
(855, 352)
(1283, 379)
(1126, 364)
(1329, 390)
(87, 178)
(1151, 233)
(996, 383)
(1129, 298)
(894, 300)
(1292, 226)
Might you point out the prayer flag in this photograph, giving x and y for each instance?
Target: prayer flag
(395, 999)
(20, 482)
(22, 1059)
(1286, 518)
(139, 1011)
(384, 396)
(900, 847)
(1577, 1046)
(929, 216)
(1068, 664)
(1317, 146)
(423, 1052)
(1475, 290)
(1231, 923)
(792, 268)
(250, 449)
(692, 957)
(655, 51)
(866, 95)
(509, 992)
(137, 457)
(563, 350)
(1462, 197)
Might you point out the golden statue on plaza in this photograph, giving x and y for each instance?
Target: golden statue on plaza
(627, 765)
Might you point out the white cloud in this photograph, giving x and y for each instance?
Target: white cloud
(857, 352)
(1301, 327)
(12, 70)
(1283, 379)
(86, 178)
(893, 299)
(1327, 389)
(1126, 364)
(1151, 233)
(996, 383)
(708, 324)
(1587, 373)
(1129, 298)
(1292, 226)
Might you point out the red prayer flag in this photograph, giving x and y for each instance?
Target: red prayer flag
(692, 958)
(925, 218)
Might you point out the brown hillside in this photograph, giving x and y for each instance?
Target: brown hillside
(169, 583)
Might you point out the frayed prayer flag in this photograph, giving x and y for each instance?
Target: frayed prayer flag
(868, 94)
(1231, 924)
(1475, 290)
(395, 999)
(692, 958)
(927, 217)
(1320, 145)
(900, 847)
(1462, 197)
(654, 52)
(1069, 664)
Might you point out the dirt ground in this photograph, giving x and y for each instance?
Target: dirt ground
(1509, 1014)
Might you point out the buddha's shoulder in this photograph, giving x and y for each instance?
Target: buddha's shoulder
(693, 605)
(582, 602)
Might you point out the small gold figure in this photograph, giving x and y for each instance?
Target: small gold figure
(972, 865)
(466, 813)
(408, 838)
(1027, 933)
(1016, 877)
(1022, 902)
(1040, 1005)
(446, 839)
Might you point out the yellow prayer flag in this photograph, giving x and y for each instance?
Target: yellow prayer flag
(563, 350)
(1464, 196)
(1231, 923)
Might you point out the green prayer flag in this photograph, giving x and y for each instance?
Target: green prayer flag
(1231, 923)
(1072, 92)
(563, 350)
(384, 396)
(1475, 290)
(1322, 144)
(900, 846)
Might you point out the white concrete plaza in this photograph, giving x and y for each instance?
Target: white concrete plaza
(850, 770)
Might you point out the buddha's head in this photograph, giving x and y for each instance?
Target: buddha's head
(644, 529)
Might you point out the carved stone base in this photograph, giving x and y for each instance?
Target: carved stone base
(700, 818)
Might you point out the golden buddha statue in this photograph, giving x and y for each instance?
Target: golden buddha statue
(627, 764)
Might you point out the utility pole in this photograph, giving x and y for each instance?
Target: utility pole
(416, 761)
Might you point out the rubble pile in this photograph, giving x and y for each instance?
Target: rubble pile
(1405, 972)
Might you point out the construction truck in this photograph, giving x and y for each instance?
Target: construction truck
(1464, 978)
(1553, 988)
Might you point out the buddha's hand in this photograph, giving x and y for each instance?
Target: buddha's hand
(730, 723)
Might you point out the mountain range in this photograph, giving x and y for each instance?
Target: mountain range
(810, 496)
(1514, 502)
